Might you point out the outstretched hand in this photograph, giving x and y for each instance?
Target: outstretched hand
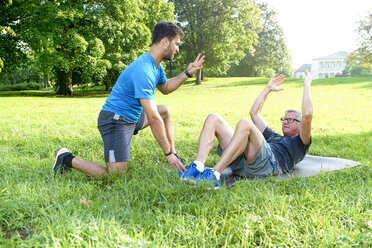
(276, 81)
(196, 65)
(175, 163)
(308, 79)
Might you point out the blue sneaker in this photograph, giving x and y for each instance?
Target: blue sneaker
(208, 175)
(190, 174)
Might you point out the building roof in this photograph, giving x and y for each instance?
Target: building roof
(304, 67)
(338, 55)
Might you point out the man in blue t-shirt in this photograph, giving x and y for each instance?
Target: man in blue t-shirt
(131, 107)
(253, 149)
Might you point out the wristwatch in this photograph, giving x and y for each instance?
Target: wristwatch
(188, 74)
(169, 153)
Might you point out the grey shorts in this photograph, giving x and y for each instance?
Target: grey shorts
(263, 164)
(116, 133)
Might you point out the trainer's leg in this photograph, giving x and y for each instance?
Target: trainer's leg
(165, 115)
(117, 167)
(214, 126)
(90, 168)
(247, 139)
(95, 169)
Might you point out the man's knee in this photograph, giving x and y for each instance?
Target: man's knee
(244, 125)
(214, 118)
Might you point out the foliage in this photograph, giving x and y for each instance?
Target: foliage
(150, 208)
(86, 41)
(21, 86)
(359, 62)
(221, 30)
(11, 53)
(23, 73)
(270, 55)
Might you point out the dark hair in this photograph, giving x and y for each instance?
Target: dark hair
(165, 29)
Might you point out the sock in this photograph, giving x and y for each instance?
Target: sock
(68, 160)
(217, 174)
(199, 165)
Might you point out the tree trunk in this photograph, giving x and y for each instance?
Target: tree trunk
(46, 81)
(107, 84)
(198, 77)
(65, 83)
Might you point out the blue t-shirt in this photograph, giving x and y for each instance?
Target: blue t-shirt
(137, 81)
(288, 150)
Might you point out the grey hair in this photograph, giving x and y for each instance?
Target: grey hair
(298, 113)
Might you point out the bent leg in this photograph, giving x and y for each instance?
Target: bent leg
(89, 168)
(246, 139)
(96, 170)
(214, 126)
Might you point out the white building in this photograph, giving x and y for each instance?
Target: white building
(324, 67)
(300, 72)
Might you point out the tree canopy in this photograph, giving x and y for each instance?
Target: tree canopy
(89, 41)
(222, 30)
(270, 54)
(359, 62)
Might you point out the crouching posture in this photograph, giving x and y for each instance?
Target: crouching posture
(253, 149)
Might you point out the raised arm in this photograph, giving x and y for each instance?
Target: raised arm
(175, 82)
(255, 112)
(158, 129)
(307, 111)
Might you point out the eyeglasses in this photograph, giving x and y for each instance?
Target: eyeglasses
(289, 120)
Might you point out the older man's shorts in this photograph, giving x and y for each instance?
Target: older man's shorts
(263, 164)
(116, 133)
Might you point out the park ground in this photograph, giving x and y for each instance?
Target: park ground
(150, 208)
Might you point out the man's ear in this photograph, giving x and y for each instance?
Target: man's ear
(165, 41)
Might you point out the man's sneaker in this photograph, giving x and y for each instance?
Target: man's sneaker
(209, 175)
(190, 174)
(58, 164)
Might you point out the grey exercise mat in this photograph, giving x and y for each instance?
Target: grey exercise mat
(309, 166)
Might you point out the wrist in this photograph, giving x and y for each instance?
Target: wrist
(169, 153)
(188, 74)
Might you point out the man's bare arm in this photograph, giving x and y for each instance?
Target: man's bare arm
(172, 84)
(307, 111)
(158, 129)
(255, 111)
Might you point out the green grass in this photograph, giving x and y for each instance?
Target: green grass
(149, 208)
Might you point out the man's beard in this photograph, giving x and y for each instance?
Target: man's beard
(169, 55)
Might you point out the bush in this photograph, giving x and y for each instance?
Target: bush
(21, 86)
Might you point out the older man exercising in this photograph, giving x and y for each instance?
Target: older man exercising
(253, 149)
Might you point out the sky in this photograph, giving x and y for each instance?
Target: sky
(316, 28)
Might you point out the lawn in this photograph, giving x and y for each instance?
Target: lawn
(150, 208)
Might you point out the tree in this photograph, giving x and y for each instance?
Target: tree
(11, 53)
(270, 54)
(359, 62)
(221, 30)
(86, 41)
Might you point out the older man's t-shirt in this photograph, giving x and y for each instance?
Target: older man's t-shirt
(288, 150)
